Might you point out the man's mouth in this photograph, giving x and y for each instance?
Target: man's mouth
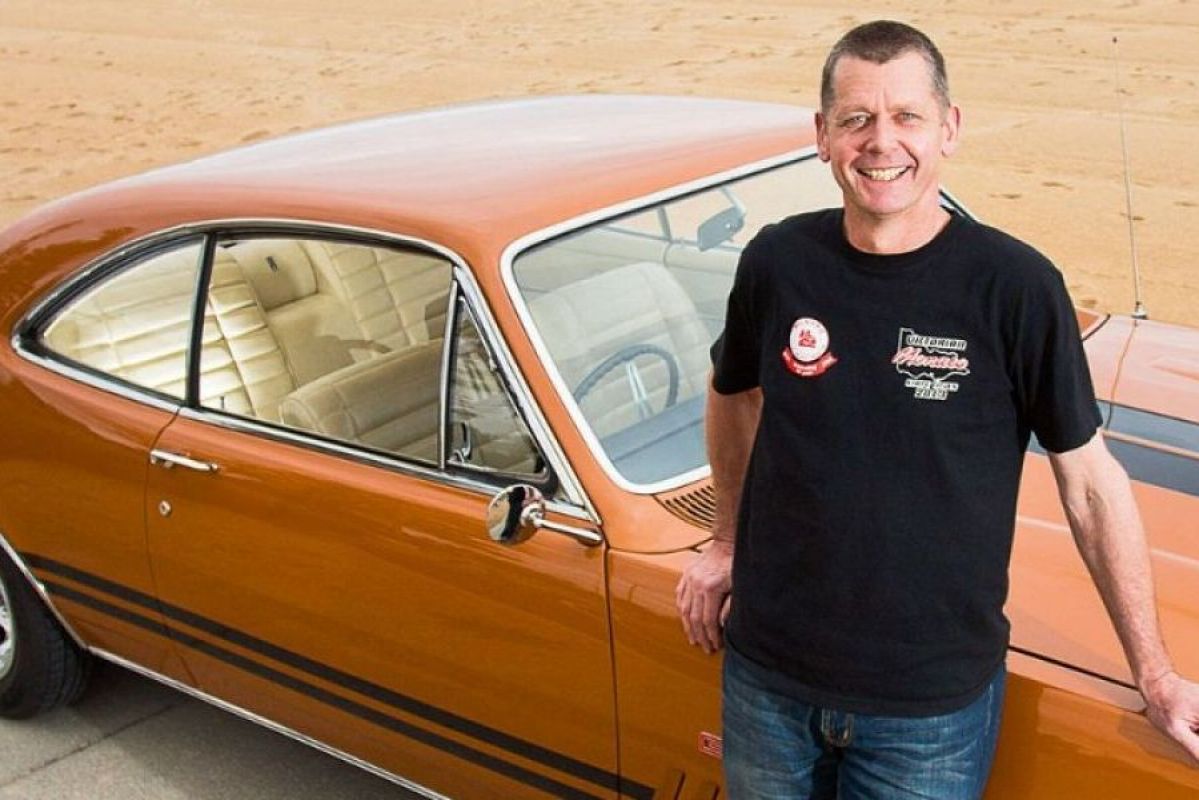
(883, 174)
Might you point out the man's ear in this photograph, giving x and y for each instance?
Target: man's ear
(822, 146)
(953, 130)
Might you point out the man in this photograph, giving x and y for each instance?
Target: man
(881, 369)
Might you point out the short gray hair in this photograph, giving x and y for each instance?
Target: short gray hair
(879, 42)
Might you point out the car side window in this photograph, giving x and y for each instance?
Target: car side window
(135, 325)
(485, 431)
(341, 339)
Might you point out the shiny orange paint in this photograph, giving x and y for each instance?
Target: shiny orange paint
(393, 580)
(1161, 370)
(1064, 735)
(363, 605)
(75, 478)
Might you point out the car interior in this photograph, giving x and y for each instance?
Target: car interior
(628, 319)
(337, 338)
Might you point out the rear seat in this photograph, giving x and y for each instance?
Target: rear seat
(242, 369)
(135, 329)
(331, 304)
(314, 329)
(396, 298)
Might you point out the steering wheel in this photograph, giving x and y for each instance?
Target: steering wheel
(624, 355)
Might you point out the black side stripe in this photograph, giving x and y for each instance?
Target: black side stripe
(1148, 464)
(447, 719)
(1154, 427)
(1157, 467)
(374, 716)
(1072, 667)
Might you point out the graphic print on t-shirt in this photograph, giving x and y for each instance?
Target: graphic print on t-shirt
(929, 362)
(807, 353)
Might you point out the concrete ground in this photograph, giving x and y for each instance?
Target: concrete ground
(130, 738)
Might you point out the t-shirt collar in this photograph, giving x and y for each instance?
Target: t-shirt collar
(891, 264)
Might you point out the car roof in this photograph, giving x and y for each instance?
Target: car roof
(468, 174)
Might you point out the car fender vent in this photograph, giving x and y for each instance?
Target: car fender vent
(694, 504)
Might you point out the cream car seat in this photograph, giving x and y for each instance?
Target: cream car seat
(636, 306)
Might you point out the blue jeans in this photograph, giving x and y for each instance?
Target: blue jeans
(776, 748)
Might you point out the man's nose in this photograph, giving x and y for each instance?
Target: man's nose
(882, 136)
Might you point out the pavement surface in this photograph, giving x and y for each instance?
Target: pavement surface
(130, 738)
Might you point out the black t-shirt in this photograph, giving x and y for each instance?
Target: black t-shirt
(877, 515)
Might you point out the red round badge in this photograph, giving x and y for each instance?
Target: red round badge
(807, 352)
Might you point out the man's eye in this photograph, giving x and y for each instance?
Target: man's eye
(908, 116)
(856, 121)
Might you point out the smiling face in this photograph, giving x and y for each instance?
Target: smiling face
(884, 136)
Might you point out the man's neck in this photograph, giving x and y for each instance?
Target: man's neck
(893, 235)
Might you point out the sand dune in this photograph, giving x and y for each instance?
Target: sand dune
(96, 89)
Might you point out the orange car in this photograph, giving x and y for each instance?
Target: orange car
(278, 427)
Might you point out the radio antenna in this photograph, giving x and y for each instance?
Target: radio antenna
(1138, 308)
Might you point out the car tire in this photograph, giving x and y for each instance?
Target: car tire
(41, 667)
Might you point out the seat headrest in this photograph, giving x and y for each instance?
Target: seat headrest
(278, 270)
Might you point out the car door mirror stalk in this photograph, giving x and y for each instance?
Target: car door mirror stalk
(518, 511)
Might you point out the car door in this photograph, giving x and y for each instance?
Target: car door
(316, 527)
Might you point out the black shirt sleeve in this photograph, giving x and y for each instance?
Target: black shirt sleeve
(1052, 377)
(736, 352)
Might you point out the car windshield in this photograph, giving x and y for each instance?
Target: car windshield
(625, 310)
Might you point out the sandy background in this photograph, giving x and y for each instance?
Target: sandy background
(96, 89)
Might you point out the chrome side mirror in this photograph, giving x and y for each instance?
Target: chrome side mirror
(514, 514)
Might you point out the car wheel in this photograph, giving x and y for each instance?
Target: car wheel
(41, 668)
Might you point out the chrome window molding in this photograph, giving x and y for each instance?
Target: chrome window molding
(40, 590)
(516, 248)
(577, 503)
(267, 723)
(95, 379)
(395, 463)
(98, 267)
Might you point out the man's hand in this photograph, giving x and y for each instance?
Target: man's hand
(1173, 707)
(702, 595)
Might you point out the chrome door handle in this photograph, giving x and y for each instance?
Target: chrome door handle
(167, 459)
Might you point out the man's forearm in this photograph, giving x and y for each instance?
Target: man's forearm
(1107, 528)
(731, 426)
(1108, 531)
